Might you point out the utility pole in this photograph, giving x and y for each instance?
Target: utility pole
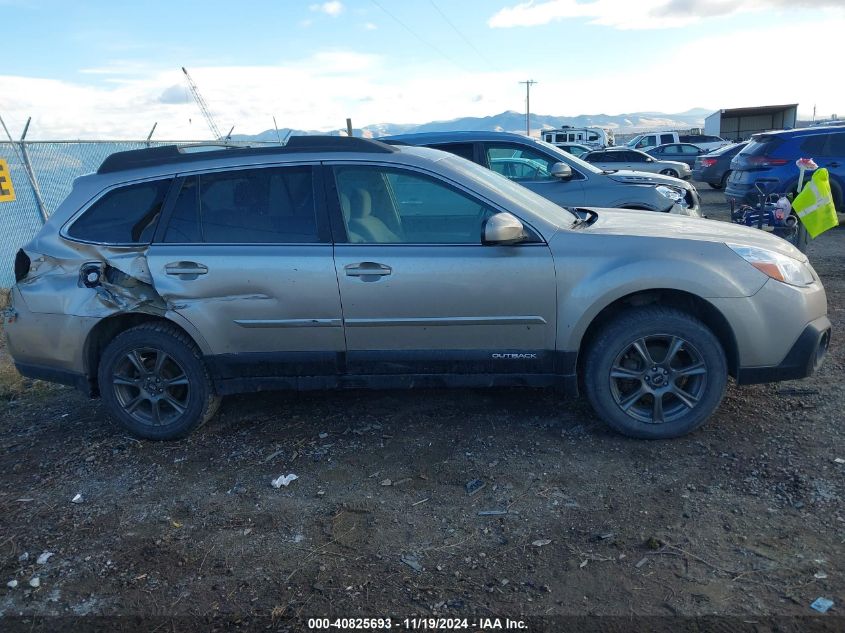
(528, 85)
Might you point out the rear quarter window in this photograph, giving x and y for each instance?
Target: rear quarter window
(126, 215)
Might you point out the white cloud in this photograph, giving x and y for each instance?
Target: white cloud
(333, 8)
(639, 14)
(318, 92)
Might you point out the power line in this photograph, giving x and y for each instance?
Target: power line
(460, 34)
(419, 37)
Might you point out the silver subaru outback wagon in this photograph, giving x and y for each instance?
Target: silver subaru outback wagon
(172, 277)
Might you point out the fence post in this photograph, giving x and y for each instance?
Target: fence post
(42, 209)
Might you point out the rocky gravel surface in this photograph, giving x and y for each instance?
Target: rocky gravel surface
(742, 518)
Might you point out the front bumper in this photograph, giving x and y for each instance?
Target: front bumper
(803, 359)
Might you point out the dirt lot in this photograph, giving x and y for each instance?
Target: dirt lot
(744, 517)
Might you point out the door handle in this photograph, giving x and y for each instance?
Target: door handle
(365, 269)
(185, 268)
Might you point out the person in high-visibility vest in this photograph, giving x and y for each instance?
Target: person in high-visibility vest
(814, 205)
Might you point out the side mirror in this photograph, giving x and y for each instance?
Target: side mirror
(562, 171)
(502, 228)
(649, 160)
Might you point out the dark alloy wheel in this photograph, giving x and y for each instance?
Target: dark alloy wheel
(154, 381)
(657, 379)
(151, 386)
(669, 172)
(654, 372)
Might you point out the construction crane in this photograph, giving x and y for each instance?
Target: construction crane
(204, 108)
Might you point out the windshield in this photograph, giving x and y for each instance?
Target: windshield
(569, 159)
(525, 198)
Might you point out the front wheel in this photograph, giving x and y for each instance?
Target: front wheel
(155, 383)
(655, 373)
(669, 172)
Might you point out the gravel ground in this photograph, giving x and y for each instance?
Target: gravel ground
(744, 517)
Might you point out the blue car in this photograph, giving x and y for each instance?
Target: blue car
(769, 159)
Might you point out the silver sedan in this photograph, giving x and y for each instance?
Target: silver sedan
(624, 158)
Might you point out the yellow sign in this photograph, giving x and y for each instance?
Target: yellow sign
(7, 191)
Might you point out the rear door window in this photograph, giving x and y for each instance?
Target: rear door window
(667, 138)
(248, 206)
(814, 145)
(836, 145)
(126, 215)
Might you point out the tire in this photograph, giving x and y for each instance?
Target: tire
(669, 172)
(626, 401)
(133, 376)
(722, 183)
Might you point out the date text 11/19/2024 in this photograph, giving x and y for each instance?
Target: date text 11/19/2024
(417, 624)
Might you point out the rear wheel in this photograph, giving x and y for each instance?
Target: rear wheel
(669, 172)
(722, 183)
(655, 373)
(155, 383)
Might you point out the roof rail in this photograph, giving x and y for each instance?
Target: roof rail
(174, 154)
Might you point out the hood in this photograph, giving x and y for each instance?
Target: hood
(670, 226)
(646, 178)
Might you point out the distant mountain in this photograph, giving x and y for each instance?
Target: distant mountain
(511, 121)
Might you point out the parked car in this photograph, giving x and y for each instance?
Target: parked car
(168, 279)
(680, 152)
(574, 148)
(770, 158)
(623, 158)
(704, 141)
(715, 167)
(646, 142)
(573, 183)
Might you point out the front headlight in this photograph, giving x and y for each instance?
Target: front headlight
(667, 192)
(775, 265)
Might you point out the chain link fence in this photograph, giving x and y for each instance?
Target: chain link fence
(42, 174)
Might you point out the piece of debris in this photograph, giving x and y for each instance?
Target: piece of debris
(273, 455)
(77, 498)
(642, 562)
(541, 542)
(43, 558)
(821, 605)
(412, 562)
(386, 482)
(283, 480)
(323, 435)
(583, 563)
(416, 503)
(36, 582)
(321, 493)
(402, 481)
(839, 460)
(495, 513)
(24, 557)
(474, 486)
(820, 575)
(12, 584)
(606, 536)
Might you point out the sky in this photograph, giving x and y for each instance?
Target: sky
(92, 69)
